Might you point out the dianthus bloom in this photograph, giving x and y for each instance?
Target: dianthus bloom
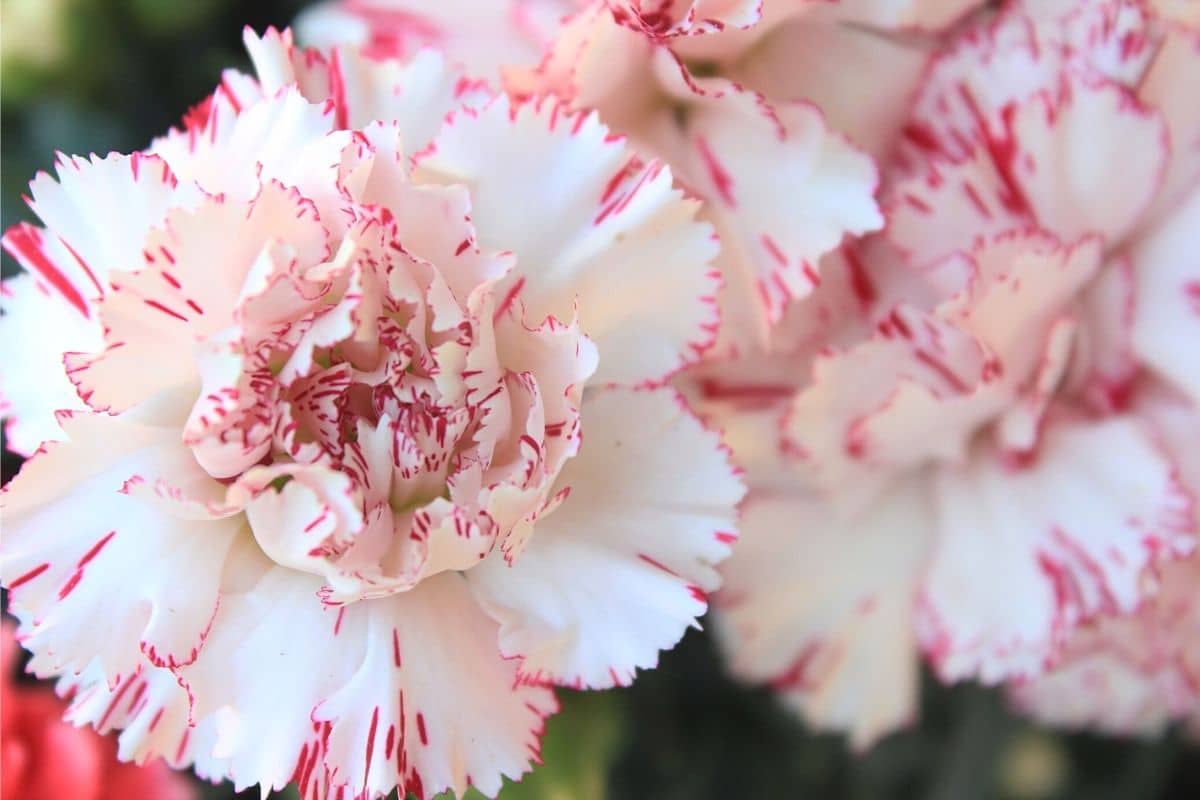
(369, 443)
(42, 758)
(948, 445)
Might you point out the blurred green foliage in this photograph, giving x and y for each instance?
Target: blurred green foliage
(99, 75)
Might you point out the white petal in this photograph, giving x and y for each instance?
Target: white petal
(72, 535)
(1028, 551)
(611, 234)
(84, 239)
(376, 693)
(783, 188)
(37, 327)
(620, 569)
(819, 602)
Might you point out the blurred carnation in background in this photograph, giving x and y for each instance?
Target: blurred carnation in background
(99, 75)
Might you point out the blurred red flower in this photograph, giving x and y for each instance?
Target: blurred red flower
(44, 758)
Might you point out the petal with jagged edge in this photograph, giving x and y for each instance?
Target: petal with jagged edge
(784, 189)
(818, 602)
(397, 722)
(73, 532)
(81, 245)
(355, 696)
(1065, 535)
(363, 90)
(1166, 324)
(156, 316)
(593, 598)
(36, 328)
(662, 19)
(148, 708)
(613, 238)
(284, 138)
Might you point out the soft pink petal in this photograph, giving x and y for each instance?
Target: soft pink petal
(1166, 265)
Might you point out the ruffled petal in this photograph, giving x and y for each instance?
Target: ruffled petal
(783, 188)
(613, 238)
(593, 599)
(236, 149)
(925, 383)
(362, 90)
(818, 602)
(658, 19)
(1063, 537)
(82, 243)
(179, 298)
(396, 697)
(36, 328)
(72, 533)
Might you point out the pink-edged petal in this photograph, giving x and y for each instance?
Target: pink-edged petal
(1066, 151)
(667, 18)
(614, 240)
(818, 602)
(179, 297)
(925, 383)
(1028, 551)
(783, 188)
(85, 239)
(362, 697)
(1166, 264)
(72, 533)
(150, 710)
(1102, 691)
(594, 596)
(285, 138)
(1104, 363)
(36, 328)
(362, 90)
(430, 709)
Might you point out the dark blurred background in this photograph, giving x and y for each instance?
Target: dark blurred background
(85, 76)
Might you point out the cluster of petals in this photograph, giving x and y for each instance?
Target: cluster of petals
(350, 430)
(963, 437)
(958, 252)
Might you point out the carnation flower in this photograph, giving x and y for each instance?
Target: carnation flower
(43, 757)
(376, 448)
(963, 464)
